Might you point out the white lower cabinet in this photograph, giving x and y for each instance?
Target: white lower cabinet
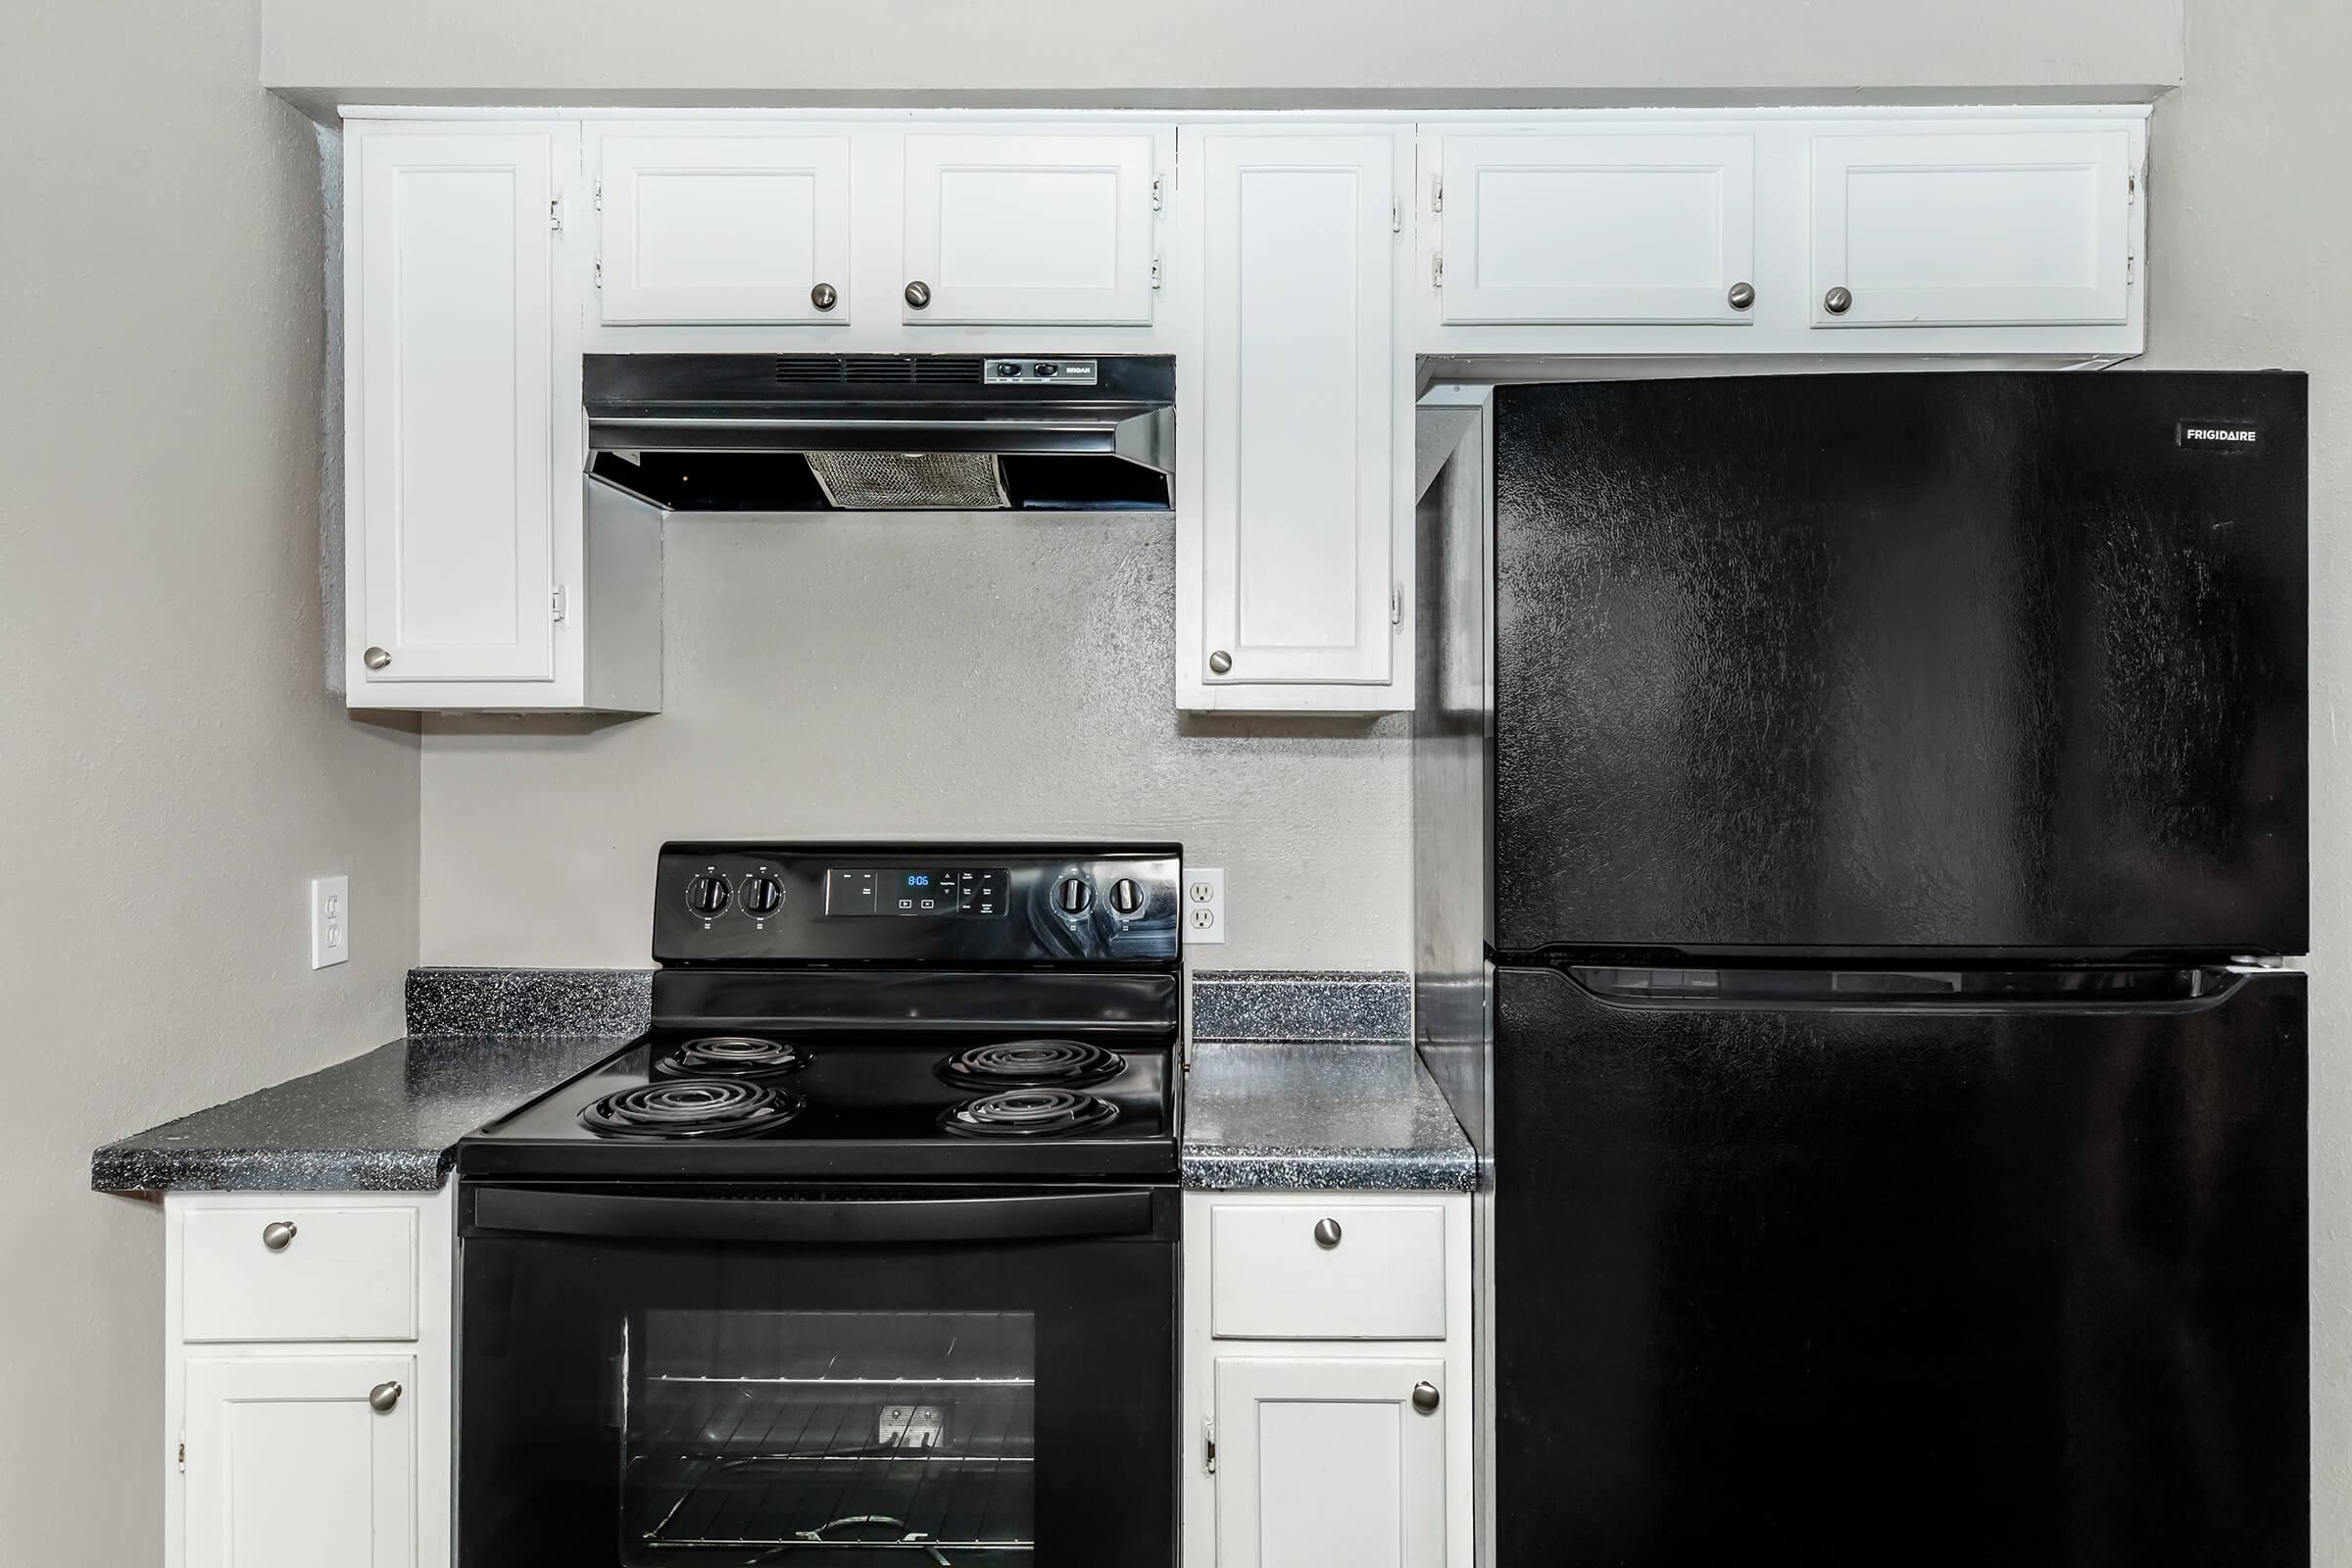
(307, 1393)
(299, 1461)
(1334, 1431)
(1329, 1461)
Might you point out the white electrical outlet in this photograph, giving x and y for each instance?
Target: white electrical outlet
(330, 920)
(1204, 905)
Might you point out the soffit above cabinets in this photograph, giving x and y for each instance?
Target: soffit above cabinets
(1309, 274)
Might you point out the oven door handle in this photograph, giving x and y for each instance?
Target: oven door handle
(631, 1217)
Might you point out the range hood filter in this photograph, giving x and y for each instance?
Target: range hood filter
(910, 481)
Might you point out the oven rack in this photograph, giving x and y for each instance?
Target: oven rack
(800, 1467)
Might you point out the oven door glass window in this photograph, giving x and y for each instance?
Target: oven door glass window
(782, 1433)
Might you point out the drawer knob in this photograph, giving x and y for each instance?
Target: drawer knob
(1327, 1234)
(384, 1396)
(277, 1235)
(824, 296)
(918, 294)
(1742, 296)
(1837, 300)
(1425, 1396)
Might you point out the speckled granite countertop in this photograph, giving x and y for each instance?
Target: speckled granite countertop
(1342, 1103)
(387, 1121)
(1324, 1115)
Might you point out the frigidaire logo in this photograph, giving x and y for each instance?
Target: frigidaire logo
(2219, 437)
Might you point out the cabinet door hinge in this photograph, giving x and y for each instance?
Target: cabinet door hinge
(1396, 603)
(1208, 1445)
(555, 603)
(1156, 182)
(1396, 218)
(598, 195)
(554, 214)
(183, 1451)
(1155, 272)
(1437, 270)
(1437, 194)
(600, 271)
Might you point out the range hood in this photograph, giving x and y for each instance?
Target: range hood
(884, 433)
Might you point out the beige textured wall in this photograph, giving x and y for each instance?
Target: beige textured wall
(171, 771)
(955, 677)
(2250, 234)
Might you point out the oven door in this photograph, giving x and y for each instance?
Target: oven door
(806, 1378)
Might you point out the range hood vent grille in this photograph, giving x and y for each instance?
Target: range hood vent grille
(878, 370)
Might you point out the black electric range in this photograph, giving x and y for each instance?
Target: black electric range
(867, 1247)
(887, 1012)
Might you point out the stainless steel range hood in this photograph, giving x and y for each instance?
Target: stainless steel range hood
(865, 433)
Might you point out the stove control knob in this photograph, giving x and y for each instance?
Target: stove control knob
(706, 894)
(1072, 897)
(763, 894)
(1126, 895)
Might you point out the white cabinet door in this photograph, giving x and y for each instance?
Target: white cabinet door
(1328, 1461)
(290, 1466)
(455, 407)
(725, 229)
(1583, 227)
(1014, 230)
(1952, 228)
(1298, 406)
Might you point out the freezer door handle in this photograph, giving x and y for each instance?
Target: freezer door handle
(637, 1216)
(2126, 989)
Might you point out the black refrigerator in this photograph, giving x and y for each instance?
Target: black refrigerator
(1884, 806)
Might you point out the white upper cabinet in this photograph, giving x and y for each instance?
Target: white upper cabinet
(477, 575)
(453, 399)
(1293, 439)
(291, 1463)
(1597, 227)
(723, 229)
(1019, 227)
(1968, 230)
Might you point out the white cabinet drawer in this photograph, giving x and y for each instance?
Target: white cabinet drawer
(344, 1274)
(1272, 1277)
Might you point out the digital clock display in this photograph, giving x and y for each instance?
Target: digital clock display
(976, 893)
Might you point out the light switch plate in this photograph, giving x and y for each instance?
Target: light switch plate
(330, 920)
(1204, 905)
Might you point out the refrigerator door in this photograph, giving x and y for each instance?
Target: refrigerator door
(2001, 662)
(1906, 1272)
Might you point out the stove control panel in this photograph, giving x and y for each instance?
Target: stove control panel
(880, 904)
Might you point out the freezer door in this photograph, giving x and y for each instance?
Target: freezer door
(1992, 661)
(1823, 1272)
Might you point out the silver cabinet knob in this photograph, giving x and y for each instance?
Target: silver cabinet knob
(1742, 296)
(376, 659)
(918, 294)
(1327, 1234)
(277, 1235)
(1220, 661)
(1837, 300)
(824, 296)
(384, 1396)
(1425, 1396)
